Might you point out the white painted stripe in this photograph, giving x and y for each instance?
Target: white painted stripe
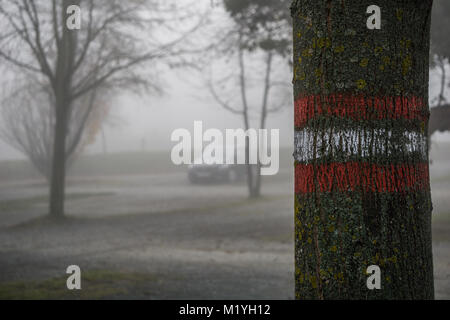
(356, 142)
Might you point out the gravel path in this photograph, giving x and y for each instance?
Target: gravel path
(197, 242)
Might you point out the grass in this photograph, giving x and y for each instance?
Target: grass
(95, 284)
(24, 203)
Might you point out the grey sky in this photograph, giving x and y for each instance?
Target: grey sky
(148, 121)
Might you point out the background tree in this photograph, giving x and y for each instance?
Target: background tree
(255, 47)
(440, 43)
(362, 189)
(105, 53)
(440, 55)
(28, 122)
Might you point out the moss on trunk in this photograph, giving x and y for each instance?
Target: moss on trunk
(362, 177)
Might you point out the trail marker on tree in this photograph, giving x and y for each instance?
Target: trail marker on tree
(362, 187)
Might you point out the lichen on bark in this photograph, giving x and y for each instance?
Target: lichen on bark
(362, 177)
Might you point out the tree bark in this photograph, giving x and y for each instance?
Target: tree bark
(57, 185)
(62, 88)
(362, 189)
(441, 98)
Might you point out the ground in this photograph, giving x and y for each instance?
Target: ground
(154, 236)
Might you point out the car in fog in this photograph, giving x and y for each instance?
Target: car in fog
(203, 173)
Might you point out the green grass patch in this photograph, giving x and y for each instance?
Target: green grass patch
(25, 203)
(95, 284)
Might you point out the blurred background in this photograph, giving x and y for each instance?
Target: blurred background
(137, 225)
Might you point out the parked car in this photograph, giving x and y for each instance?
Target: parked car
(199, 173)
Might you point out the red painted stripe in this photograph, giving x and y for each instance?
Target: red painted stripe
(359, 107)
(352, 176)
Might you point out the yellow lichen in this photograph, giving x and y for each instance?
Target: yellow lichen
(378, 50)
(364, 62)
(307, 52)
(399, 14)
(323, 42)
(406, 64)
(386, 60)
(361, 84)
(313, 281)
(339, 49)
(318, 72)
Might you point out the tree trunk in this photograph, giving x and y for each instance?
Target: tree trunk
(362, 190)
(441, 99)
(250, 172)
(61, 89)
(256, 190)
(58, 178)
(254, 180)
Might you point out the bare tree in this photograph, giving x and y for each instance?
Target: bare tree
(440, 63)
(440, 45)
(28, 121)
(255, 48)
(115, 40)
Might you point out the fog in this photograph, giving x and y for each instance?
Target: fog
(135, 124)
(135, 120)
(138, 226)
